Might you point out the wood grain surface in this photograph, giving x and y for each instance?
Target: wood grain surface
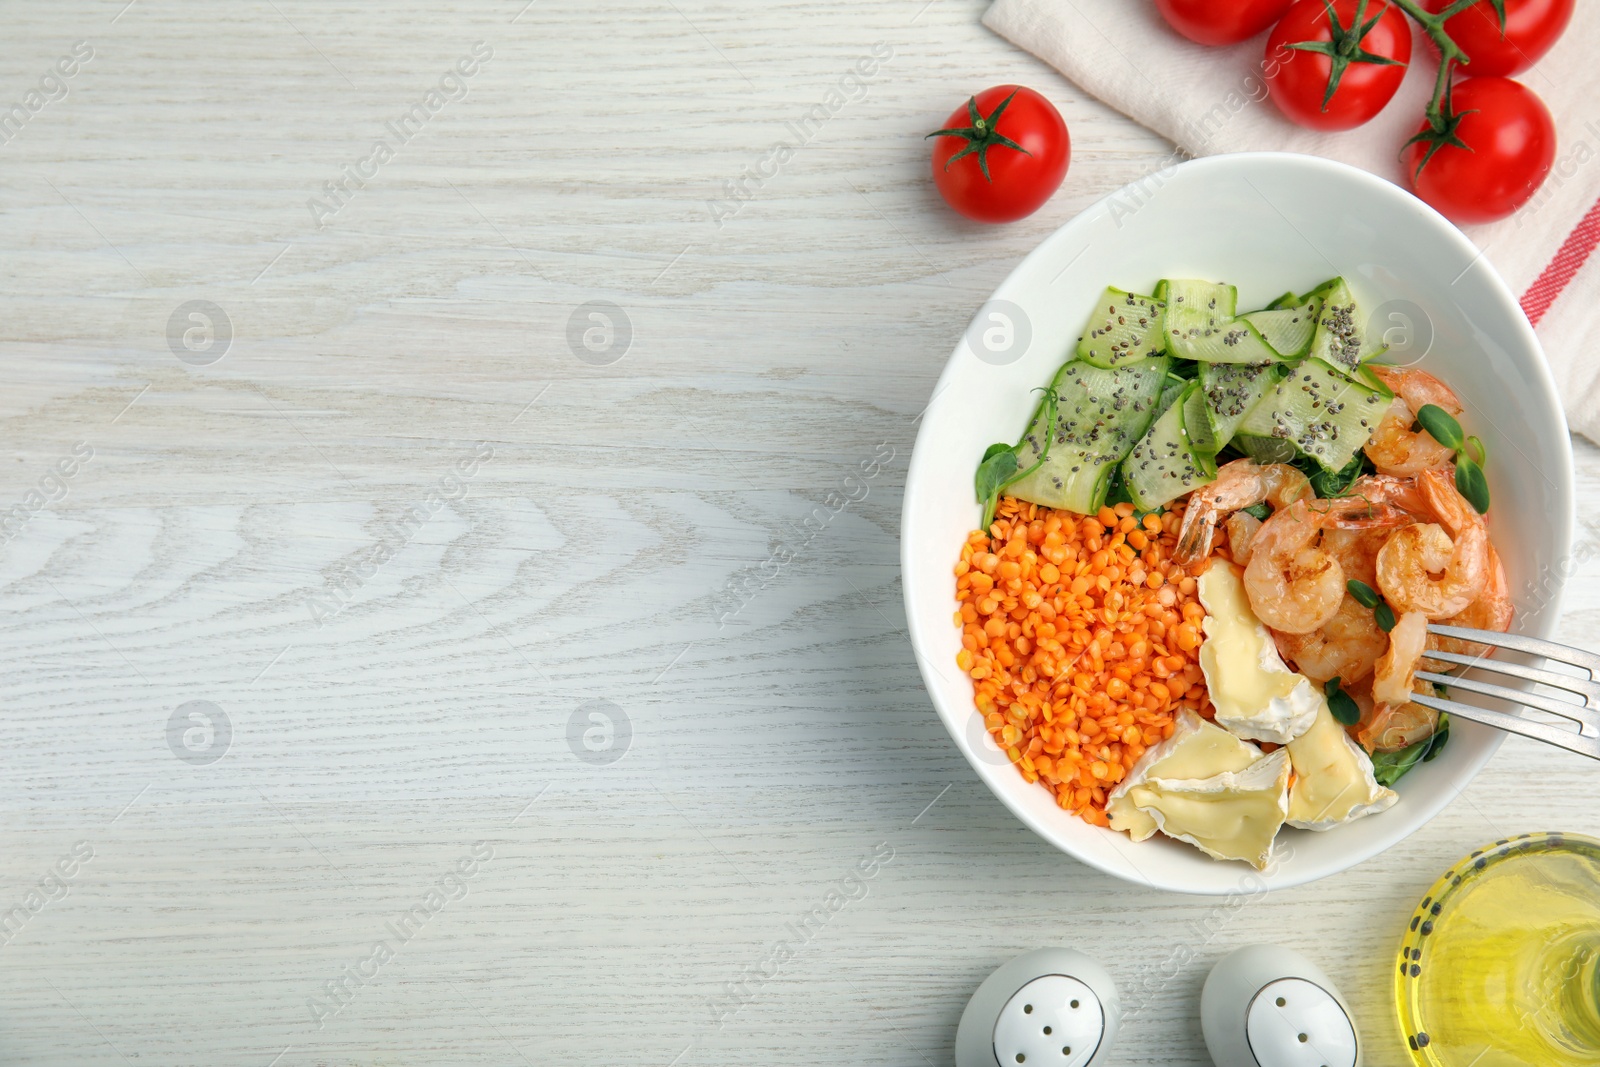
(404, 535)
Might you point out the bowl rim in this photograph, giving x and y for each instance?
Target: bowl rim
(1541, 382)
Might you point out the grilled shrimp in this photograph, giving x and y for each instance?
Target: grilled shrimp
(1389, 727)
(1396, 670)
(1389, 720)
(1346, 647)
(1294, 585)
(1491, 611)
(1357, 552)
(1242, 527)
(1403, 493)
(1239, 485)
(1456, 548)
(1393, 448)
(1349, 644)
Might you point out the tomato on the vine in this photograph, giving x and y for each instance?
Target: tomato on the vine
(1340, 71)
(1000, 156)
(1532, 26)
(1510, 144)
(1228, 22)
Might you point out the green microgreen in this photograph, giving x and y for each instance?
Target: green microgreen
(1441, 426)
(1470, 453)
(1365, 595)
(1344, 708)
(1471, 483)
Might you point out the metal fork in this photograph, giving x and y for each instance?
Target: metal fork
(1585, 711)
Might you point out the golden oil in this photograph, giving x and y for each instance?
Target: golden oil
(1500, 965)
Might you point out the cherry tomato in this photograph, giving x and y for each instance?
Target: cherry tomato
(1001, 155)
(1217, 23)
(1511, 143)
(1297, 79)
(1532, 26)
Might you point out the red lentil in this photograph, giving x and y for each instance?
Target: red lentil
(1081, 637)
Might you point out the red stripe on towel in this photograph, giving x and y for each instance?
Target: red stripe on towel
(1569, 259)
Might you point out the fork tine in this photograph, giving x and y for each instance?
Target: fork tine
(1554, 705)
(1577, 657)
(1584, 746)
(1582, 686)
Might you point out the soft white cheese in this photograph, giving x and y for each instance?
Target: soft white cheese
(1333, 778)
(1230, 816)
(1196, 749)
(1256, 695)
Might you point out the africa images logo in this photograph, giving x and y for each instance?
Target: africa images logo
(398, 132)
(338, 993)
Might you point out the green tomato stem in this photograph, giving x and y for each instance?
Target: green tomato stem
(1449, 52)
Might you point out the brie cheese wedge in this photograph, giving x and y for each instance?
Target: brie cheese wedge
(1230, 816)
(1256, 695)
(1333, 778)
(1196, 749)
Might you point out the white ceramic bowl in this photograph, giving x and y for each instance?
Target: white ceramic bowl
(1267, 222)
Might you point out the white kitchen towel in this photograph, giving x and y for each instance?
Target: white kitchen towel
(1213, 100)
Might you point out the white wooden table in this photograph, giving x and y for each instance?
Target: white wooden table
(416, 739)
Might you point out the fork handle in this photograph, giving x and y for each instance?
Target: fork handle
(1514, 724)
